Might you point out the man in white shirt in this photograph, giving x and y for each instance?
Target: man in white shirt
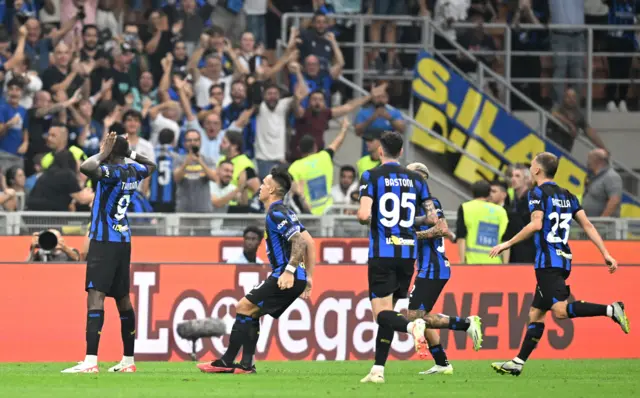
(252, 237)
(165, 116)
(271, 126)
(132, 121)
(342, 191)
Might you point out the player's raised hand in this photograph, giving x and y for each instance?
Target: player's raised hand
(496, 250)
(611, 263)
(107, 145)
(307, 291)
(285, 281)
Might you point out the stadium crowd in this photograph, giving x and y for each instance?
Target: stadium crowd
(191, 83)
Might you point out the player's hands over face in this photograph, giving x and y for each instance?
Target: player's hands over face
(285, 281)
(307, 291)
(611, 263)
(498, 249)
(107, 145)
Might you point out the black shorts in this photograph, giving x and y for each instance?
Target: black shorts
(425, 293)
(551, 288)
(390, 276)
(271, 299)
(108, 265)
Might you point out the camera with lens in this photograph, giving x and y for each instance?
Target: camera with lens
(195, 150)
(47, 241)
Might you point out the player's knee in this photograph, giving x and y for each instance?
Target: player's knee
(95, 300)
(536, 315)
(560, 311)
(246, 307)
(124, 304)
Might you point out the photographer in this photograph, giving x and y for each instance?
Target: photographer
(49, 246)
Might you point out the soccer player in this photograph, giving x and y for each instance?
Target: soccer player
(552, 209)
(287, 245)
(433, 274)
(109, 255)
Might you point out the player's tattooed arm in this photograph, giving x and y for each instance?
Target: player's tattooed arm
(440, 229)
(430, 217)
(298, 249)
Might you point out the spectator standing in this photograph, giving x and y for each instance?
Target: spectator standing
(480, 226)
(376, 118)
(569, 113)
(527, 66)
(162, 186)
(192, 21)
(372, 158)
(251, 240)
(476, 40)
(244, 172)
(58, 186)
(313, 173)
(567, 12)
(316, 41)
(342, 192)
(80, 12)
(498, 194)
(445, 14)
(386, 7)
(14, 128)
(33, 178)
(15, 180)
(519, 216)
(229, 15)
(159, 44)
(132, 121)
(19, 66)
(62, 75)
(58, 141)
(271, 127)
(603, 192)
(38, 48)
(621, 12)
(192, 174)
(256, 11)
(222, 191)
(123, 84)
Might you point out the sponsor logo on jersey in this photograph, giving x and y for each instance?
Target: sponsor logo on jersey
(534, 202)
(397, 241)
(120, 228)
(282, 224)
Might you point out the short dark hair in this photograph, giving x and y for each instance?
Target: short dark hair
(348, 168)
(213, 86)
(64, 160)
(499, 183)
(318, 14)
(306, 144)
(252, 228)
(480, 189)
(235, 139)
(317, 91)
(16, 82)
(85, 28)
(132, 113)
(282, 177)
(215, 31)
(226, 161)
(269, 86)
(391, 142)
(166, 136)
(548, 163)
(120, 147)
(58, 125)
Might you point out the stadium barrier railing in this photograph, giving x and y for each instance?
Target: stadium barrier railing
(337, 223)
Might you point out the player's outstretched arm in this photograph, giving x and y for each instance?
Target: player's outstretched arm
(594, 236)
(525, 233)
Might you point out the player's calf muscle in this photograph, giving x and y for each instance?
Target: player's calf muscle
(436, 321)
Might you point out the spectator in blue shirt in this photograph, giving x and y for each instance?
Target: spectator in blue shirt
(377, 118)
(38, 48)
(13, 119)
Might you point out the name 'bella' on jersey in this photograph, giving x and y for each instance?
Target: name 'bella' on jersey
(397, 193)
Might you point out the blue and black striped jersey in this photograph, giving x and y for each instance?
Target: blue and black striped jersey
(281, 224)
(432, 262)
(397, 193)
(558, 206)
(162, 186)
(113, 194)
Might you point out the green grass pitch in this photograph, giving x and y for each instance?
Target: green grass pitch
(569, 379)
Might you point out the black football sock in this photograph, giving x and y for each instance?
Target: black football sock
(580, 309)
(439, 355)
(128, 331)
(395, 320)
(531, 339)
(95, 320)
(249, 348)
(457, 323)
(383, 343)
(239, 336)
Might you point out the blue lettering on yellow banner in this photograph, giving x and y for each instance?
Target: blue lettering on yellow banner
(452, 107)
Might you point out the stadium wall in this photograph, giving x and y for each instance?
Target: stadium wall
(43, 313)
(163, 249)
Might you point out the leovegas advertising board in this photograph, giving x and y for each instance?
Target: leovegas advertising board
(43, 306)
(156, 249)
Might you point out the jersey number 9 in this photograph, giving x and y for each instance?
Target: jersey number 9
(123, 204)
(392, 217)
